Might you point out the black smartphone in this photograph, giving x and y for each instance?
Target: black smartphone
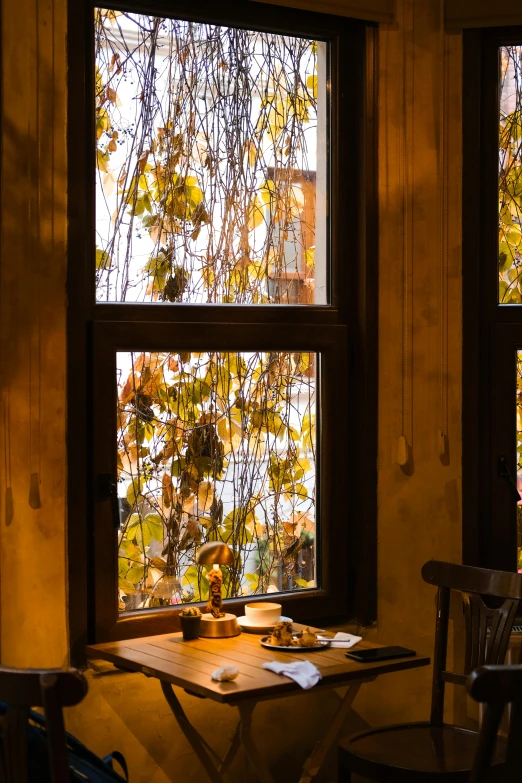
(379, 654)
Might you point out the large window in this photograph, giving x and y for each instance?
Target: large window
(493, 298)
(224, 257)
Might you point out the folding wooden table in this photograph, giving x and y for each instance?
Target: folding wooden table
(189, 665)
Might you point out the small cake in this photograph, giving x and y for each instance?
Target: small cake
(282, 635)
(307, 638)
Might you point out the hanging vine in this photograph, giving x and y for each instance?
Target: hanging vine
(204, 139)
(207, 149)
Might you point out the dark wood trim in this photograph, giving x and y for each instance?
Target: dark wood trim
(329, 602)
(364, 364)
(349, 323)
(224, 313)
(261, 16)
(502, 511)
(78, 313)
(473, 524)
(489, 516)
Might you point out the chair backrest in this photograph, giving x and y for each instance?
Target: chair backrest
(488, 623)
(22, 689)
(497, 686)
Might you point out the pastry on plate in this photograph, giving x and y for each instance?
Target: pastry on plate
(307, 638)
(282, 635)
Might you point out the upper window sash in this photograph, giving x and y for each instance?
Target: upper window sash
(212, 163)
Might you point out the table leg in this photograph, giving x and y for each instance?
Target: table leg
(258, 762)
(243, 736)
(233, 749)
(196, 742)
(315, 761)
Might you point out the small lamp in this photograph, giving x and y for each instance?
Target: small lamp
(216, 623)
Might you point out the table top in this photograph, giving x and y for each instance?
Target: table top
(190, 664)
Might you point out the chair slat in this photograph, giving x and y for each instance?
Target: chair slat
(55, 729)
(501, 584)
(439, 658)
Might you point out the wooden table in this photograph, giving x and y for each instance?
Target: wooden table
(189, 665)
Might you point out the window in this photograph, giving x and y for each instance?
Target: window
(224, 265)
(493, 298)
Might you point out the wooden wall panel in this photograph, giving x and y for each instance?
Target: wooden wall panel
(32, 334)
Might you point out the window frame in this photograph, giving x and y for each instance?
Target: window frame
(490, 330)
(96, 329)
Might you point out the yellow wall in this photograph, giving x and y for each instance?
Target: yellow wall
(32, 333)
(419, 508)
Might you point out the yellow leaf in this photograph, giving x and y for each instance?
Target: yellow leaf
(311, 83)
(103, 259)
(222, 428)
(304, 464)
(256, 213)
(505, 215)
(251, 153)
(205, 495)
(267, 191)
(113, 15)
(310, 257)
(195, 195)
(142, 162)
(188, 504)
(102, 122)
(514, 234)
(102, 160)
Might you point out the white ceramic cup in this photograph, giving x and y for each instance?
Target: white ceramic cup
(263, 614)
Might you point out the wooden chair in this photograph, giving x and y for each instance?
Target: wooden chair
(497, 686)
(435, 751)
(22, 689)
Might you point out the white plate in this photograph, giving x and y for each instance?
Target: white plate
(321, 644)
(246, 624)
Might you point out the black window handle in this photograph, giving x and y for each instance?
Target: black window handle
(504, 471)
(107, 490)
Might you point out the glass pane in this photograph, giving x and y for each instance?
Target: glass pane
(211, 163)
(510, 176)
(215, 446)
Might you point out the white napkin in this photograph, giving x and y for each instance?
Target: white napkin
(304, 673)
(344, 640)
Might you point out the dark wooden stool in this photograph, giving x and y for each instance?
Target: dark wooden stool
(435, 751)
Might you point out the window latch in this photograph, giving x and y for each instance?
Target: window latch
(504, 471)
(107, 490)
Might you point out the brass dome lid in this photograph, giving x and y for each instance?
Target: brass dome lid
(215, 552)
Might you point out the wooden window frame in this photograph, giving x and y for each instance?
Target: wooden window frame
(347, 328)
(490, 330)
